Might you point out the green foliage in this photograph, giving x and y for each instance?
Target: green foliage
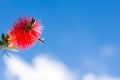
(1, 43)
(32, 21)
(4, 41)
(6, 53)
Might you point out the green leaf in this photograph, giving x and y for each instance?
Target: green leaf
(3, 39)
(6, 40)
(6, 53)
(32, 21)
(8, 36)
(1, 43)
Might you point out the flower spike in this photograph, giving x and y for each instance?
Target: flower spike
(26, 32)
(23, 35)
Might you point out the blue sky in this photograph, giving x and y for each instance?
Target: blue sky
(82, 34)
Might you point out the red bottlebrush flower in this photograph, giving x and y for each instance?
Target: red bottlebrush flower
(25, 33)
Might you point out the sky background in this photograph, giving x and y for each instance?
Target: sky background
(82, 35)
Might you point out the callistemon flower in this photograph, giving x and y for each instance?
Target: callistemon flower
(25, 33)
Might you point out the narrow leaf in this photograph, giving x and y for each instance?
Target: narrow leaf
(7, 39)
(3, 39)
(7, 54)
(1, 43)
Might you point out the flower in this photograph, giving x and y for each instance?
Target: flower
(25, 33)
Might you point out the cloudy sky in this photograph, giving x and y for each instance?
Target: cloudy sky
(82, 40)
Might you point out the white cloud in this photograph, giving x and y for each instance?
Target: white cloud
(98, 71)
(46, 68)
(91, 76)
(108, 50)
(43, 68)
(94, 65)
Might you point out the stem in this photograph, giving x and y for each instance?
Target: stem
(40, 40)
